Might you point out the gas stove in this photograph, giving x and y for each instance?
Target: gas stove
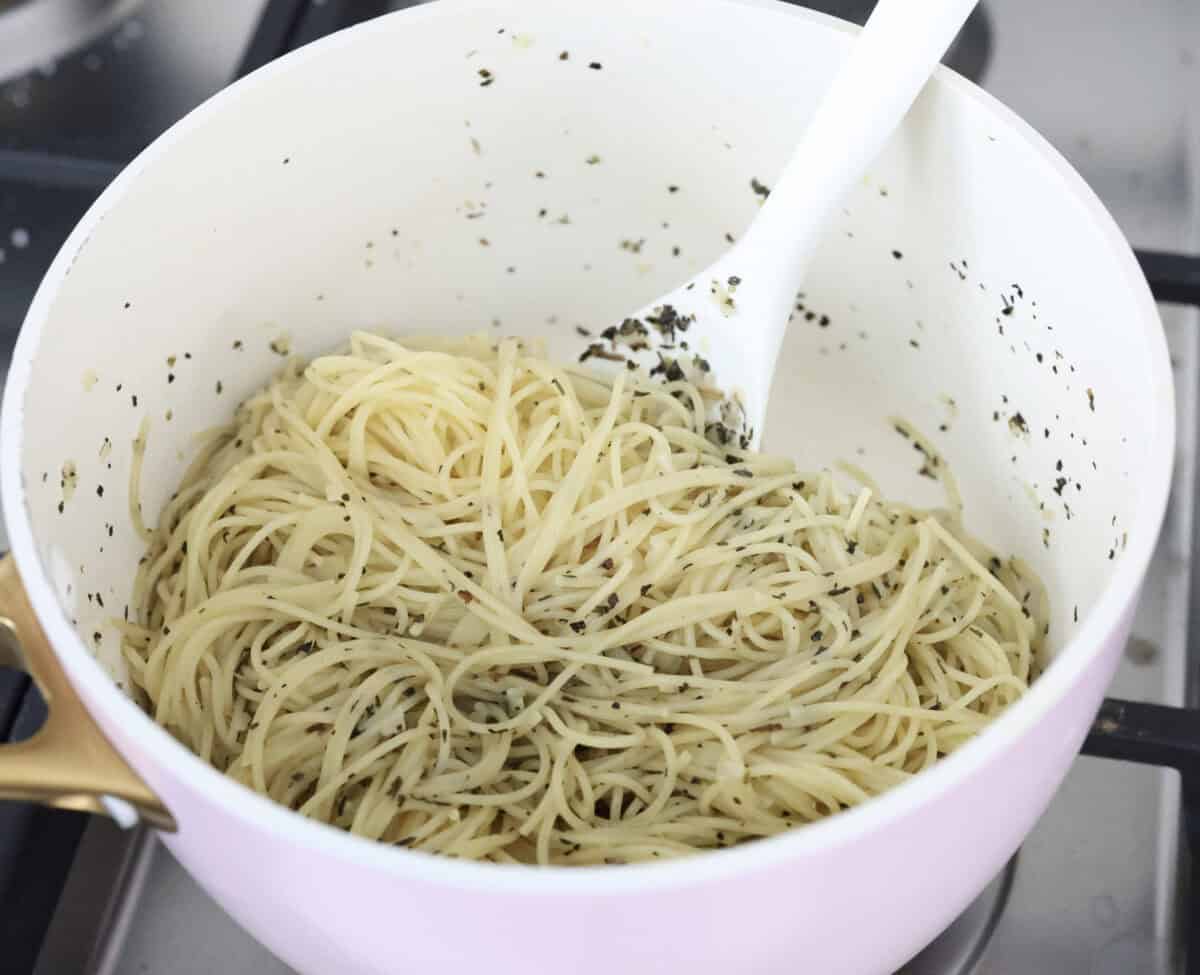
(1105, 885)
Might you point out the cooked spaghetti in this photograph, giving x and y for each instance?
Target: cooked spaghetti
(450, 595)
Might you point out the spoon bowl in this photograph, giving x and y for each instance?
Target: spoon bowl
(732, 315)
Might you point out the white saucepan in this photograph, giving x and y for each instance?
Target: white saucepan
(530, 167)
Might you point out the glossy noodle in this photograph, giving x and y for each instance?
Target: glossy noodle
(448, 594)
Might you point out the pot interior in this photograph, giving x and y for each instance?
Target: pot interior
(459, 169)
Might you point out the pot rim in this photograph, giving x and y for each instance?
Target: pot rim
(157, 747)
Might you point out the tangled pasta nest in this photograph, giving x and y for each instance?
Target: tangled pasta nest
(451, 595)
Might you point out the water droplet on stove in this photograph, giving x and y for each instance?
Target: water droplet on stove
(19, 97)
(93, 62)
(127, 34)
(3, 256)
(19, 238)
(47, 69)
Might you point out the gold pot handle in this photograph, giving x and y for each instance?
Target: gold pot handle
(68, 763)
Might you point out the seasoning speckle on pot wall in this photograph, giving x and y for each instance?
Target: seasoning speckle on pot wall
(69, 480)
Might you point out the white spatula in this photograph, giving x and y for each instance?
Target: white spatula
(736, 310)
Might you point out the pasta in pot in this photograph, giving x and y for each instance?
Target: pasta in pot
(448, 594)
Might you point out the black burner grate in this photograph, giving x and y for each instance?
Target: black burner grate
(1153, 734)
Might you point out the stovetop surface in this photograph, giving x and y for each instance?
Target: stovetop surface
(1096, 889)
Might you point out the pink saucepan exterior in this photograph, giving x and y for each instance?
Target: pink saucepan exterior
(526, 167)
